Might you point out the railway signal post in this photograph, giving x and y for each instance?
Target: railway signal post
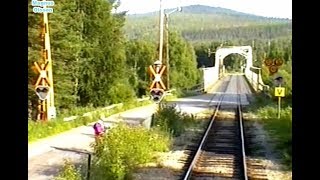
(44, 84)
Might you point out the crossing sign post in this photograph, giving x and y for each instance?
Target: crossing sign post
(279, 92)
(157, 86)
(44, 84)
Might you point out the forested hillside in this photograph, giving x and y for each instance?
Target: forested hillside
(204, 23)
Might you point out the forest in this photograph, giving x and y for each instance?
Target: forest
(100, 56)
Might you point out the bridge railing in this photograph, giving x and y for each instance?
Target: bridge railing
(107, 109)
(253, 74)
(210, 77)
(197, 88)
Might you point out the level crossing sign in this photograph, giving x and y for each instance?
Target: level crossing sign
(156, 73)
(279, 92)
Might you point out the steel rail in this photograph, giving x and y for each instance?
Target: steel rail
(239, 112)
(195, 157)
(245, 173)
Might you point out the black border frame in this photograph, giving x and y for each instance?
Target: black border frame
(17, 119)
(302, 61)
(304, 88)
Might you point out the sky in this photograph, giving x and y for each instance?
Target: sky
(267, 8)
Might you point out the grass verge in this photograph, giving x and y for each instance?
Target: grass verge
(280, 130)
(38, 130)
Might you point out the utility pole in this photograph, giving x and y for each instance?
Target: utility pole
(167, 51)
(47, 48)
(161, 32)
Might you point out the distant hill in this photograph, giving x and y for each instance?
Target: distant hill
(202, 9)
(198, 18)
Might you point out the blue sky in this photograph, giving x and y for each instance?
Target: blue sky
(268, 8)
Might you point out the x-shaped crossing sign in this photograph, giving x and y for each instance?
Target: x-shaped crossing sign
(43, 73)
(157, 77)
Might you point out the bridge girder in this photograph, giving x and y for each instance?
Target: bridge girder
(245, 51)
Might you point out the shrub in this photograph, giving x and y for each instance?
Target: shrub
(168, 119)
(123, 148)
(69, 172)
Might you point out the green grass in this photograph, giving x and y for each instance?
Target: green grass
(181, 94)
(38, 130)
(77, 111)
(280, 130)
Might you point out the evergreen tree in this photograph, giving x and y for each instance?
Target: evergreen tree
(103, 68)
(140, 55)
(183, 63)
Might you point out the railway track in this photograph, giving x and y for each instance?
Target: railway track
(221, 152)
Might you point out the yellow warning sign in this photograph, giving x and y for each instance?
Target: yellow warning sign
(279, 91)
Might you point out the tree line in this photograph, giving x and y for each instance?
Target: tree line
(203, 23)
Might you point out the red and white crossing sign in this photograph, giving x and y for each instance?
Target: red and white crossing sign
(156, 73)
(43, 69)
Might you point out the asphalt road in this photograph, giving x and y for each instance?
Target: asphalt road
(227, 88)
